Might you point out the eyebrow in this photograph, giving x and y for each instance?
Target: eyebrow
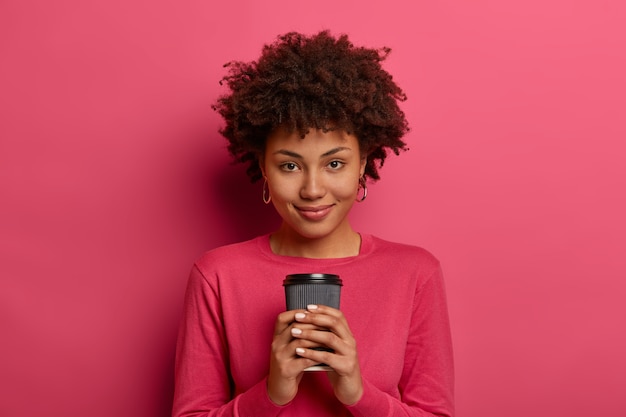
(325, 154)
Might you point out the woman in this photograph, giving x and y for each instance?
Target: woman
(314, 118)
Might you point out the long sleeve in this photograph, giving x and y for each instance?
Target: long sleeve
(235, 293)
(204, 387)
(427, 382)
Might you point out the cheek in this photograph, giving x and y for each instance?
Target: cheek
(347, 188)
(283, 191)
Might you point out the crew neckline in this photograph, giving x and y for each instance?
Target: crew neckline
(266, 249)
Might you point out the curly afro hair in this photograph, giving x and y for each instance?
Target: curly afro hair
(319, 82)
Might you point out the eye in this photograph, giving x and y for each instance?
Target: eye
(289, 166)
(335, 164)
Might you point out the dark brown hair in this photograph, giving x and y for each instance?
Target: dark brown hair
(319, 82)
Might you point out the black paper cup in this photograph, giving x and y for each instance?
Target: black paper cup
(304, 289)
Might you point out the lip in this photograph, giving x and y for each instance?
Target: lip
(314, 213)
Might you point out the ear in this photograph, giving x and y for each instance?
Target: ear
(261, 161)
(363, 165)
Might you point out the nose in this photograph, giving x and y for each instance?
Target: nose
(312, 187)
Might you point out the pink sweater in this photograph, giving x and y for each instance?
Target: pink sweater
(393, 297)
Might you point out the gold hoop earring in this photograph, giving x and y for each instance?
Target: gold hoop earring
(363, 185)
(267, 197)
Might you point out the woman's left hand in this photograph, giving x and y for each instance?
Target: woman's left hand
(345, 376)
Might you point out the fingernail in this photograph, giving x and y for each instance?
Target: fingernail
(300, 315)
(296, 331)
(311, 307)
(299, 351)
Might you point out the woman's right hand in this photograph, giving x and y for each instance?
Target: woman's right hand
(286, 368)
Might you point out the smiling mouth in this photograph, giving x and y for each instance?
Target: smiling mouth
(314, 213)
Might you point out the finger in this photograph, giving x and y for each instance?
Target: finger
(284, 361)
(322, 338)
(328, 318)
(284, 320)
(302, 322)
(291, 360)
(307, 326)
(305, 337)
(303, 362)
(283, 343)
(342, 364)
(320, 308)
(337, 338)
(316, 356)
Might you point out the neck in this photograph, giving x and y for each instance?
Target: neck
(284, 242)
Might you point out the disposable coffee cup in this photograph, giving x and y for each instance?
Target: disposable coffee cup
(304, 289)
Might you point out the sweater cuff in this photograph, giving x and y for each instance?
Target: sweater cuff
(256, 402)
(373, 402)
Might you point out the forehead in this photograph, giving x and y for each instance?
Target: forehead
(315, 141)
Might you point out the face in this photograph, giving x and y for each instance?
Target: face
(313, 181)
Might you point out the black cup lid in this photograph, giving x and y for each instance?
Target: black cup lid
(314, 278)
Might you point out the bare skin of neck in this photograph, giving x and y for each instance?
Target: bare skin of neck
(285, 243)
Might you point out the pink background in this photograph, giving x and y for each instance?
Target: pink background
(113, 180)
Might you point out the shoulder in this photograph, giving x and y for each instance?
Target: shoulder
(401, 259)
(228, 256)
(386, 248)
